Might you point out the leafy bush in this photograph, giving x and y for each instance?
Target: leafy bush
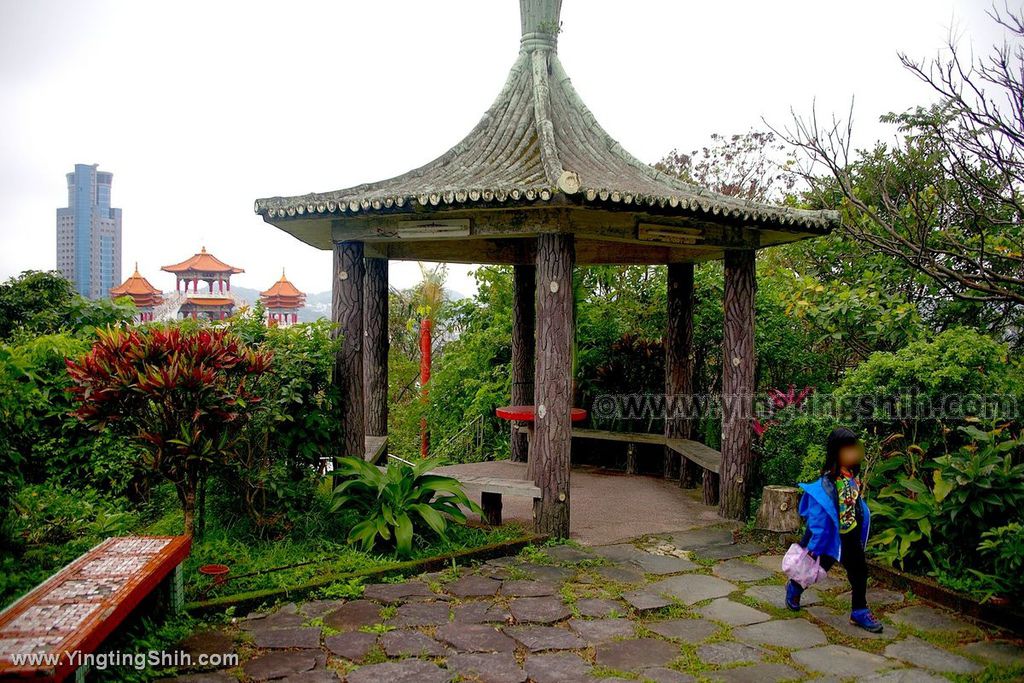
(395, 502)
(180, 392)
(788, 444)
(934, 514)
(1002, 549)
(275, 463)
(930, 379)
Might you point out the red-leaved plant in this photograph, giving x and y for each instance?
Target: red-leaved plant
(781, 399)
(181, 393)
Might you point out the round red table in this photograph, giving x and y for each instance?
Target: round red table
(528, 414)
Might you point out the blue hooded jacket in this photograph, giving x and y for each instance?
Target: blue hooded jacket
(820, 507)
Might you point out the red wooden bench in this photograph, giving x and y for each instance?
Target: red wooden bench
(77, 608)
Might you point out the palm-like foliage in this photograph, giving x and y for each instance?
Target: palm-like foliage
(395, 502)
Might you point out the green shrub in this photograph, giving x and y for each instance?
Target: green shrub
(396, 502)
(929, 378)
(787, 446)
(933, 514)
(1002, 549)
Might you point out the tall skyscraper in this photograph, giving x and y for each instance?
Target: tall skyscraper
(89, 233)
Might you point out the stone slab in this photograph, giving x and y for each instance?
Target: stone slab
(410, 643)
(288, 638)
(314, 676)
(660, 674)
(625, 573)
(757, 673)
(474, 638)
(732, 613)
(596, 631)
(788, 633)
(528, 588)
(480, 612)
(645, 600)
(689, 630)
(727, 552)
(278, 665)
(543, 572)
(473, 586)
(1001, 652)
(926, 656)
(772, 563)
(413, 614)
(487, 668)
(353, 616)
(318, 608)
(663, 564)
(541, 638)
(729, 652)
(775, 595)
(556, 667)
(405, 671)
(205, 643)
(599, 607)
(700, 538)
(929, 619)
(692, 588)
(353, 646)
(840, 661)
(879, 597)
(904, 676)
(274, 620)
(840, 621)
(636, 654)
(568, 554)
(393, 593)
(741, 570)
(545, 610)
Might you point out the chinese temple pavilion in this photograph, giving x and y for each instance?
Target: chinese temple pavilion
(203, 267)
(539, 185)
(283, 302)
(216, 303)
(145, 296)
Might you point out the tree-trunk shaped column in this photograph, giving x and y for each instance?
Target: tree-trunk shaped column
(523, 349)
(552, 436)
(375, 327)
(737, 384)
(679, 370)
(347, 313)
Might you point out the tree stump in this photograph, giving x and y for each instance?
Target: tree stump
(778, 511)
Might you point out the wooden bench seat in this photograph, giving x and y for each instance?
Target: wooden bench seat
(492, 489)
(703, 456)
(77, 608)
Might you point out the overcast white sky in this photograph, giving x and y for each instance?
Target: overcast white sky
(199, 107)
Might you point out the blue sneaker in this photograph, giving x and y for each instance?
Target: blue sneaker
(793, 592)
(866, 620)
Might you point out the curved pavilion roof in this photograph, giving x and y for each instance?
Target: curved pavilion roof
(203, 262)
(283, 294)
(539, 147)
(139, 289)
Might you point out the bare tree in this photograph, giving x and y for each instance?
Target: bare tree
(946, 199)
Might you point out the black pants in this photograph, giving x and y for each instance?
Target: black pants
(853, 561)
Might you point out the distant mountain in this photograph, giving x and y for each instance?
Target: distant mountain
(317, 305)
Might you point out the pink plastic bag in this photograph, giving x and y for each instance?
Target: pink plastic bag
(799, 565)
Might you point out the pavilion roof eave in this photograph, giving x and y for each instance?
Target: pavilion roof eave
(538, 145)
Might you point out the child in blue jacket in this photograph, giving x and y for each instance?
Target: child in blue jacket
(838, 520)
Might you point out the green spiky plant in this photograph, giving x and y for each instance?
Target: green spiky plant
(397, 502)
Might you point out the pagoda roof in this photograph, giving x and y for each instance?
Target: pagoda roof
(538, 146)
(203, 262)
(135, 286)
(282, 288)
(210, 301)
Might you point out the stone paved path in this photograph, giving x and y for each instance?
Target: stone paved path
(679, 607)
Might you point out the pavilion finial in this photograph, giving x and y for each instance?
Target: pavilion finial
(540, 22)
